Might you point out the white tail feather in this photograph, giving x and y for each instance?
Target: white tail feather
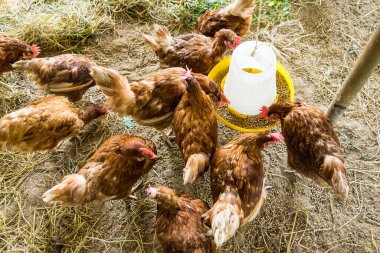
(160, 39)
(70, 190)
(225, 217)
(340, 185)
(116, 89)
(195, 165)
(338, 179)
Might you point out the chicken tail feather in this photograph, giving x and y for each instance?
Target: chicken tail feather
(70, 190)
(160, 38)
(224, 217)
(106, 79)
(115, 87)
(195, 165)
(335, 167)
(241, 8)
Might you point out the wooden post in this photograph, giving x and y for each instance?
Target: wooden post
(365, 65)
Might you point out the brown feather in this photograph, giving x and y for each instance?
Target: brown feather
(237, 184)
(43, 124)
(179, 225)
(195, 125)
(11, 50)
(64, 75)
(198, 52)
(151, 102)
(109, 174)
(236, 17)
(313, 146)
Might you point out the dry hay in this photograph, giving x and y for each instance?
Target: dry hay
(54, 25)
(157, 11)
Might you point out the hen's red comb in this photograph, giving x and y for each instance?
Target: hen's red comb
(36, 50)
(106, 110)
(149, 153)
(264, 112)
(187, 74)
(277, 137)
(236, 42)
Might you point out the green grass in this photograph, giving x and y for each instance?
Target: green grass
(273, 11)
(191, 10)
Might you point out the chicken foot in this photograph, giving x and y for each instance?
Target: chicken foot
(57, 148)
(167, 138)
(134, 188)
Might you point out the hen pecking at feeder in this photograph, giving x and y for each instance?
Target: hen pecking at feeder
(251, 78)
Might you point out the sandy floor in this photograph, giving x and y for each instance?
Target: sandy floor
(318, 48)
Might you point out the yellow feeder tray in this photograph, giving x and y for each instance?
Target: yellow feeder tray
(232, 110)
(219, 73)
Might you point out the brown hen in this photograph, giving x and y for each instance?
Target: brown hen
(12, 50)
(198, 52)
(313, 146)
(151, 102)
(44, 123)
(109, 174)
(63, 75)
(196, 129)
(237, 16)
(237, 184)
(179, 227)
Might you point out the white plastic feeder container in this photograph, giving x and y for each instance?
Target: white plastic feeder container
(248, 92)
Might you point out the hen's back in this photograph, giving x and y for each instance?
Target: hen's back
(309, 132)
(184, 232)
(314, 149)
(65, 75)
(39, 126)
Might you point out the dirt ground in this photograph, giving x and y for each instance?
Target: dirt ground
(318, 47)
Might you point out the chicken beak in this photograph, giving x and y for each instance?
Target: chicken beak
(149, 153)
(223, 100)
(154, 158)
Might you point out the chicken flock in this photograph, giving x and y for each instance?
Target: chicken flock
(177, 98)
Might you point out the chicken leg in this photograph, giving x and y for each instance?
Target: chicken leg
(135, 188)
(167, 138)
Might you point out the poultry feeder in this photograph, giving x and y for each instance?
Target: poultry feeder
(251, 78)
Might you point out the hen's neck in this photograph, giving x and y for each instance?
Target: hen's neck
(168, 205)
(124, 100)
(250, 142)
(196, 95)
(88, 114)
(218, 48)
